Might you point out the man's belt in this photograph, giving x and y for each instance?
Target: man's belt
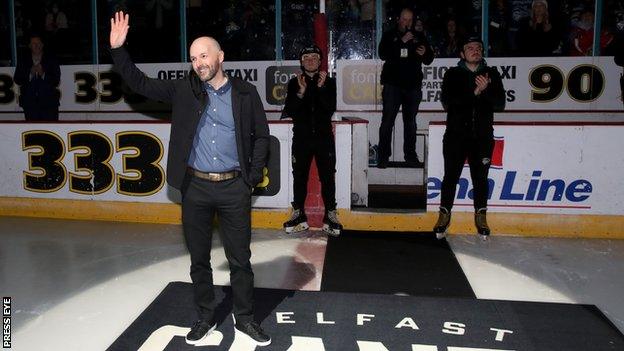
(213, 176)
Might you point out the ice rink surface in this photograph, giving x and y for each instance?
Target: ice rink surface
(88, 280)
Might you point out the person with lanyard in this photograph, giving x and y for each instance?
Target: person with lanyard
(404, 50)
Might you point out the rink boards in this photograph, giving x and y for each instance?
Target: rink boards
(541, 174)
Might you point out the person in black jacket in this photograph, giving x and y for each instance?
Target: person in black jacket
(218, 147)
(618, 57)
(311, 102)
(537, 36)
(404, 50)
(471, 92)
(38, 76)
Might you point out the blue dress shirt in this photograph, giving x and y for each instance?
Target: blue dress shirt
(214, 147)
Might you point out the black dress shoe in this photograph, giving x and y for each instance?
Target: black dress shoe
(254, 332)
(414, 162)
(199, 331)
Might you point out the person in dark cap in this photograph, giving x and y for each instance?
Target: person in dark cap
(311, 102)
(471, 92)
(404, 50)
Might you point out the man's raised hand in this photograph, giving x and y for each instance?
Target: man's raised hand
(119, 29)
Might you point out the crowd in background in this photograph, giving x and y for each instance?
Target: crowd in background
(58, 24)
(247, 29)
(515, 27)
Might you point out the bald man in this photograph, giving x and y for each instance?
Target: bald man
(404, 51)
(218, 147)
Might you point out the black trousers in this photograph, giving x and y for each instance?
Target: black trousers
(230, 201)
(41, 113)
(323, 149)
(479, 154)
(393, 97)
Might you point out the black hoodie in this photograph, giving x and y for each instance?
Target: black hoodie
(467, 114)
(311, 114)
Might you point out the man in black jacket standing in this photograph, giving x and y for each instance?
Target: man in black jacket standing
(218, 147)
(404, 50)
(618, 57)
(38, 75)
(311, 102)
(471, 92)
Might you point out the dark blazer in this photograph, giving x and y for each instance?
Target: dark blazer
(39, 91)
(188, 99)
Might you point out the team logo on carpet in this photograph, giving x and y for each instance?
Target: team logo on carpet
(319, 321)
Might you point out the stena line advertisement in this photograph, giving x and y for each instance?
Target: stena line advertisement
(562, 169)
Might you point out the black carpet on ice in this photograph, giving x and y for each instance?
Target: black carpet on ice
(307, 320)
(393, 263)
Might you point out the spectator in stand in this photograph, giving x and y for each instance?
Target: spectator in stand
(38, 75)
(257, 31)
(367, 12)
(297, 17)
(500, 18)
(233, 33)
(583, 36)
(344, 19)
(475, 16)
(419, 27)
(537, 36)
(366, 28)
(615, 25)
(160, 9)
(55, 19)
(617, 28)
(449, 45)
(23, 24)
(56, 29)
(520, 11)
(160, 14)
